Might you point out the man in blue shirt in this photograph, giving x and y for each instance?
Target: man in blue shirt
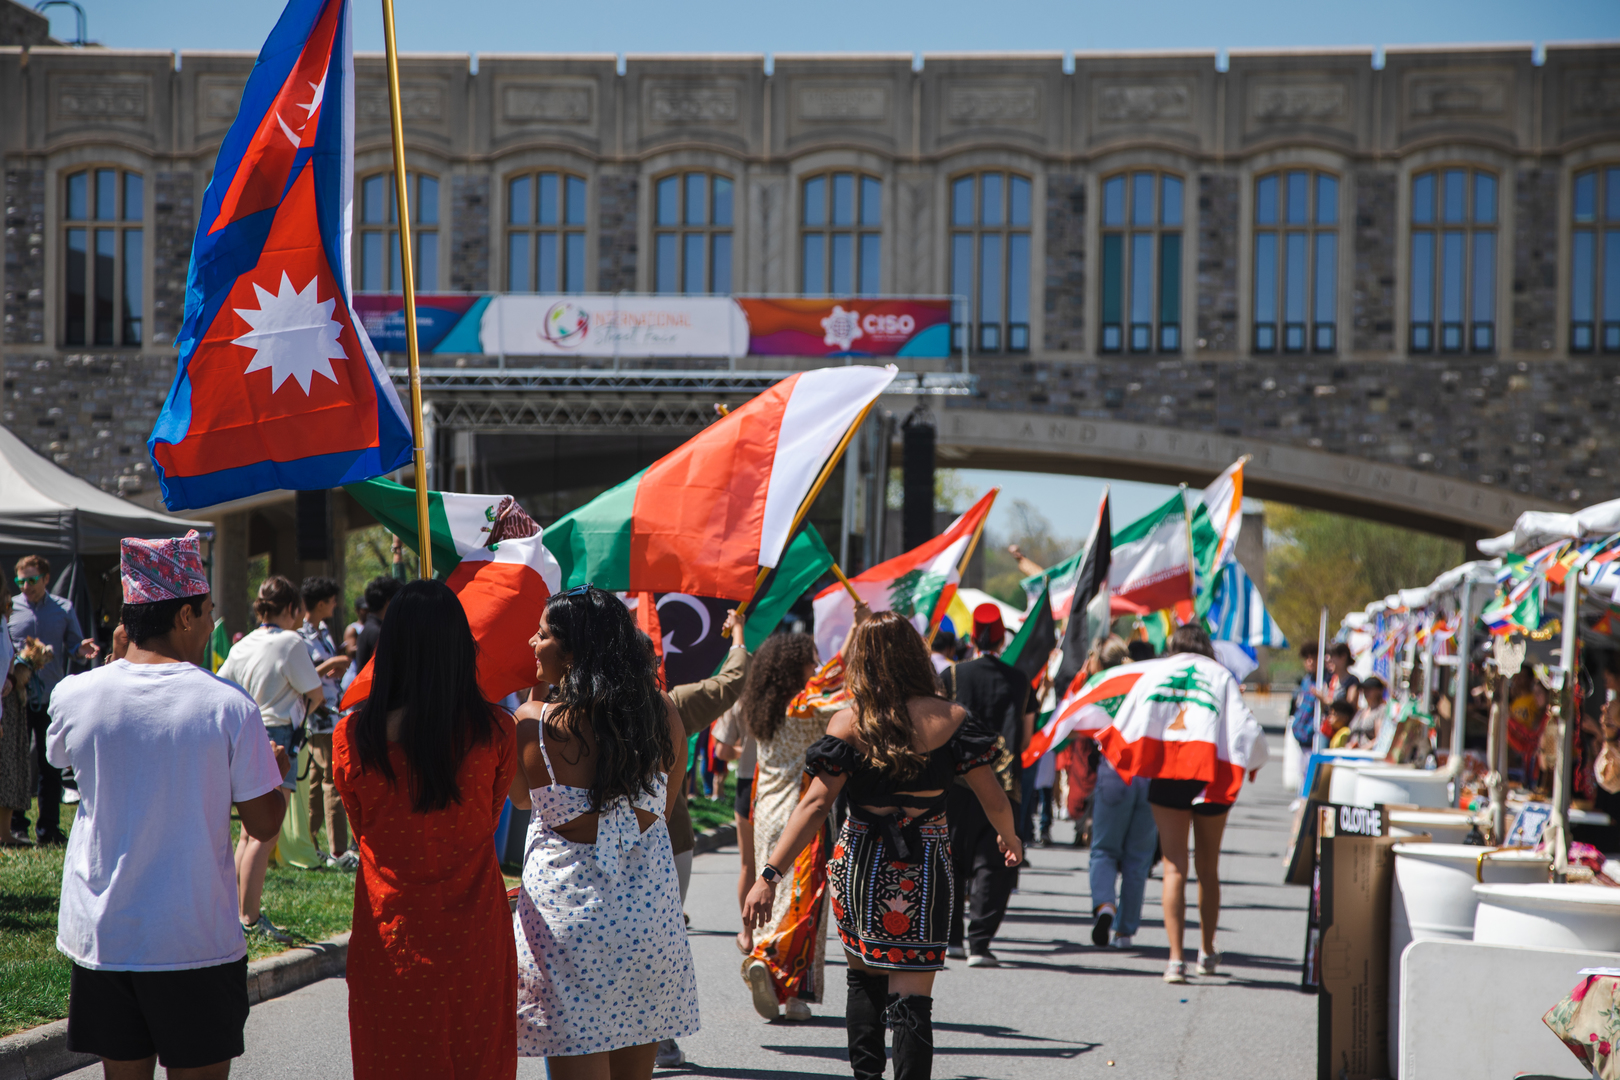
(37, 614)
(1303, 708)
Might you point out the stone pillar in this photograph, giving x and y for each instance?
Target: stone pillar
(616, 233)
(1218, 322)
(174, 225)
(1535, 263)
(230, 570)
(25, 257)
(1373, 310)
(469, 233)
(1065, 263)
(1251, 555)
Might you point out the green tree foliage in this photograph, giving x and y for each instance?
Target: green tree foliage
(1032, 532)
(1316, 559)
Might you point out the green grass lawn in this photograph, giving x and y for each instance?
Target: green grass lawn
(310, 904)
(711, 813)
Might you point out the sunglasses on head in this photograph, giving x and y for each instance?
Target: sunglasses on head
(580, 590)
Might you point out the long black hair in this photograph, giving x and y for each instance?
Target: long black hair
(611, 688)
(427, 664)
(775, 677)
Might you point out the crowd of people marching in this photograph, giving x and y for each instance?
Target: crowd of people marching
(886, 786)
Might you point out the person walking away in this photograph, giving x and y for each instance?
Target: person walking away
(998, 696)
(424, 766)
(1179, 805)
(15, 777)
(162, 750)
(321, 596)
(604, 968)
(735, 743)
(786, 968)
(895, 752)
(379, 591)
(701, 704)
(1371, 717)
(1123, 836)
(51, 621)
(273, 666)
(942, 654)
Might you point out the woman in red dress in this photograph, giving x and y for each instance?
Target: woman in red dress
(424, 768)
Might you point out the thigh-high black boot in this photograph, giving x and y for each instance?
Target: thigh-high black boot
(868, 994)
(912, 1018)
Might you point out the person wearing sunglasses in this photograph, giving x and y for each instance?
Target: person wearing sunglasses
(35, 613)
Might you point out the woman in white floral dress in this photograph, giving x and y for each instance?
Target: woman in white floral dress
(604, 969)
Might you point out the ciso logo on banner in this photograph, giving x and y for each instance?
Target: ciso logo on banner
(889, 325)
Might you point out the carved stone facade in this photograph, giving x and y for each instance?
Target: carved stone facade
(915, 129)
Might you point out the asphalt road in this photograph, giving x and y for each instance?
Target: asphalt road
(1056, 1008)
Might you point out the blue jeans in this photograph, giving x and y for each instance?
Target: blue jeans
(1123, 837)
(281, 735)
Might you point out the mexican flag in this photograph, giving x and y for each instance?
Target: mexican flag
(1179, 717)
(918, 584)
(706, 517)
(494, 558)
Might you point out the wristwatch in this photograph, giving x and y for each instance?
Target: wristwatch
(770, 874)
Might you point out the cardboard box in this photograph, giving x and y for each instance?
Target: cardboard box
(1355, 873)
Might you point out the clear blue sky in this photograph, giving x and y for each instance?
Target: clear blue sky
(630, 26)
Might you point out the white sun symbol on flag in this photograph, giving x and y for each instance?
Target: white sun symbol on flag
(294, 334)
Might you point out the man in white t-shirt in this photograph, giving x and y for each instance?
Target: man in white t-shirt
(162, 750)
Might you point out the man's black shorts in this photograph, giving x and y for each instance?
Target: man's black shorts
(743, 804)
(1179, 795)
(188, 1018)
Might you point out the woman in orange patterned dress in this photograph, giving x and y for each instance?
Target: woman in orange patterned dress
(424, 768)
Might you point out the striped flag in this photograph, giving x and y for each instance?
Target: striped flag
(1238, 612)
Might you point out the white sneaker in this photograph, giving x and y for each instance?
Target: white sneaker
(1175, 971)
(1122, 941)
(759, 984)
(669, 1055)
(70, 796)
(348, 861)
(1207, 961)
(983, 960)
(796, 1010)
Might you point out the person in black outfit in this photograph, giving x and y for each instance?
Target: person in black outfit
(379, 591)
(997, 695)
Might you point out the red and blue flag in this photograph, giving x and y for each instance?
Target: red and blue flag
(278, 384)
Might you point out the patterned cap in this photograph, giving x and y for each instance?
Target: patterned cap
(162, 569)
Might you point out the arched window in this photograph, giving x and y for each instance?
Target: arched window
(1453, 275)
(1141, 261)
(692, 216)
(990, 221)
(1296, 261)
(840, 237)
(381, 269)
(103, 248)
(545, 233)
(1594, 312)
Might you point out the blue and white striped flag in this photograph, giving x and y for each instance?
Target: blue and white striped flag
(1238, 613)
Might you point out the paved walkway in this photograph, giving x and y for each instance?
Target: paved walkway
(1058, 1008)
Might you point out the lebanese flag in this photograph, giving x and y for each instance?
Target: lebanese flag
(919, 584)
(1179, 717)
(703, 519)
(499, 567)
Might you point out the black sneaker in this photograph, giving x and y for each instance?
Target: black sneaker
(1100, 927)
(54, 838)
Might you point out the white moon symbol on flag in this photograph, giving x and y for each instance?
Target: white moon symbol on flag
(696, 605)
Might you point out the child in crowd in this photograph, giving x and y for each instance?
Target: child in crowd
(1340, 713)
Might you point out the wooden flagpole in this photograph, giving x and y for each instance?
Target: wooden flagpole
(424, 535)
(804, 508)
(961, 567)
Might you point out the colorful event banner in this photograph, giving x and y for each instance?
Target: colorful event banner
(848, 327)
(517, 324)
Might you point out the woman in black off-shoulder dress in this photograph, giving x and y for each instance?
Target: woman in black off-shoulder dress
(896, 749)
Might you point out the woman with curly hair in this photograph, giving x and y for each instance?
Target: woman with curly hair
(604, 969)
(896, 749)
(790, 947)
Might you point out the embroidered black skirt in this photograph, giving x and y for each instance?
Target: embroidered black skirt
(893, 915)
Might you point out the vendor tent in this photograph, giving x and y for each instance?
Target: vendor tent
(48, 510)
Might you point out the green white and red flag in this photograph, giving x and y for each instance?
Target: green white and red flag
(1179, 717)
(918, 584)
(705, 518)
(495, 560)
